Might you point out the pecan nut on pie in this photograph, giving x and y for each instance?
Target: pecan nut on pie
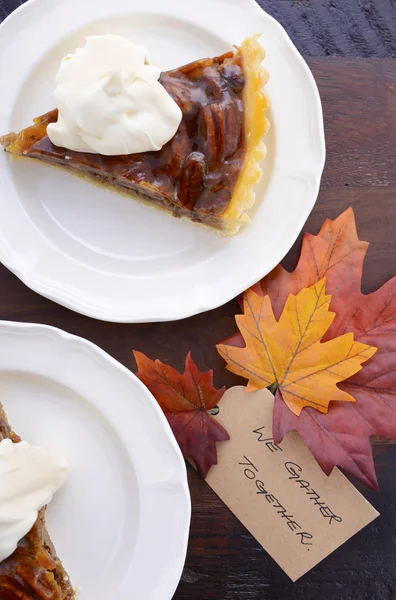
(207, 171)
(33, 571)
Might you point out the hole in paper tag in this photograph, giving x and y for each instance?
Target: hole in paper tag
(280, 494)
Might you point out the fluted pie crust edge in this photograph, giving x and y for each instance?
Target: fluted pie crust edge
(256, 126)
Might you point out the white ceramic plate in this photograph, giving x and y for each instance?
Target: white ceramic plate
(120, 523)
(110, 257)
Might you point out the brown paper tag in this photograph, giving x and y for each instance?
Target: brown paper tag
(281, 495)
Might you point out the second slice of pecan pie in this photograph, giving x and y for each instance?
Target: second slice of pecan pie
(33, 571)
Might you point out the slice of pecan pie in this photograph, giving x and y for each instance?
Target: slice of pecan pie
(207, 171)
(33, 571)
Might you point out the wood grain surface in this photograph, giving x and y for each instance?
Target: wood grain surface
(350, 46)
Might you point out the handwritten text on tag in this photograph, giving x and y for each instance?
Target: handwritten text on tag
(281, 495)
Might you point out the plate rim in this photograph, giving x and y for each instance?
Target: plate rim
(203, 301)
(57, 334)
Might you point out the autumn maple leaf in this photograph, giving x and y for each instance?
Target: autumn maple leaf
(339, 437)
(342, 436)
(289, 351)
(186, 399)
(336, 253)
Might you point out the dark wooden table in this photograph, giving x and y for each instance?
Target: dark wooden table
(350, 46)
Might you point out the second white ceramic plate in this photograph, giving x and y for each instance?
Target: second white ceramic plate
(120, 524)
(112, 258)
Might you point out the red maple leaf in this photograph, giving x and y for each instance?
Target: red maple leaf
(186, 399)
(339, 437)
(342, 435)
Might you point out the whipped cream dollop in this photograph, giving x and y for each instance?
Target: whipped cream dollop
(110, 100)
(29, 477)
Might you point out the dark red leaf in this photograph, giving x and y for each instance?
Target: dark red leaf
(339, 437)
(185, 399)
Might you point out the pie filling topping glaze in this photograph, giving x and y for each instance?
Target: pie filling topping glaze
(33, 571)
(207, 171)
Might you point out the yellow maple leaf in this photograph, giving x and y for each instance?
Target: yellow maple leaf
(289, 351)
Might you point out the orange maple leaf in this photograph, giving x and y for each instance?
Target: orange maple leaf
(289, 351)
(336, 253)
